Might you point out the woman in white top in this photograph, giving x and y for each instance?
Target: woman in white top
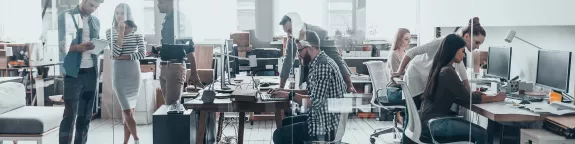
(421, 58)
(402, 40)
(128, 47)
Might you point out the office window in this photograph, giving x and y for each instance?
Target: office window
(149, 25)
(210, 20)
(246, 14)
(311, 11)
(340, 16)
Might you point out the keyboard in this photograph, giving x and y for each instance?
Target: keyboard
(268, 97)
(524, 97)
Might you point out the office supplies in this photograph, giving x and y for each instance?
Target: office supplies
(553, 70)
(99, 45)
(499, 62)
(268, 97)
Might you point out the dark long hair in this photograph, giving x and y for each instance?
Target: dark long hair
(449, 47)
(129, 18)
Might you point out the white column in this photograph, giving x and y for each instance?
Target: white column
(265, 23)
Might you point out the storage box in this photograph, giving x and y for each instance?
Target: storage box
(147, 68)
(242, 39)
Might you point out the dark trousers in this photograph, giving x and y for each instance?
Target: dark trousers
(295, 131)
(455, 129)
(79, 100)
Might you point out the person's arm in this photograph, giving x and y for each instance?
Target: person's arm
(288, 62)
(463, 95)
(141, 49)
(462, 71)
(116, 49)
(410, 54)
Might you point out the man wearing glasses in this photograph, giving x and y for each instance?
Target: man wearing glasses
(324, 82)
(331, 51)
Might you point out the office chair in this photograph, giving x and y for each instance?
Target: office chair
(339, 132)
(378, 73)
(413, 129)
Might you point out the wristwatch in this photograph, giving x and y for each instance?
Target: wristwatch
(291, 95)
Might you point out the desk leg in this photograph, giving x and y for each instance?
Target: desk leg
(201, 128)
(242, 121)
(493, 133)
(279, 116)
(220, 126)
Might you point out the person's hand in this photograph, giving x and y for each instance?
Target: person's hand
(86, 46)
(123, 57)
(500, 97)
(280, 94)
(121, 26)
(195, 80)
(271, 91)
(398, 73)
(351, 89)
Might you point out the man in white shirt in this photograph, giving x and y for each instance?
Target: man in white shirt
(79, 68)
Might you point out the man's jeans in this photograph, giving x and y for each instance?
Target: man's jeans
(79, 99)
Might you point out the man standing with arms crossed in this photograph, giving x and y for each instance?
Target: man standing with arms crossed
(79, 68)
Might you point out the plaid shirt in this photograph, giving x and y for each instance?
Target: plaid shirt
(325, 81)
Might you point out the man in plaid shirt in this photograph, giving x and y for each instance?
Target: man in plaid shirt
(324, 82)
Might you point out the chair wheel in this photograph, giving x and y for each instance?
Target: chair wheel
(372, 140)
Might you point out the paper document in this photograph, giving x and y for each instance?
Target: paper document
(99, 46)
(556, 108)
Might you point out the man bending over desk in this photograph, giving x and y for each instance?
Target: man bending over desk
(325, 81)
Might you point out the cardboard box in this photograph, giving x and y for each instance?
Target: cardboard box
(147, 68)
(242, 39)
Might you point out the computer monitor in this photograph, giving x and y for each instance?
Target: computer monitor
(553, 69)
(499, 62)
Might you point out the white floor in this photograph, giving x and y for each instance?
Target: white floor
(110, 132)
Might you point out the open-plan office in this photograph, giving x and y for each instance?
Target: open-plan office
(287, 71)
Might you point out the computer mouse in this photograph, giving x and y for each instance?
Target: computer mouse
(524, 102)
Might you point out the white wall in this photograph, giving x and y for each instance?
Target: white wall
(20, 20)
(449, 13)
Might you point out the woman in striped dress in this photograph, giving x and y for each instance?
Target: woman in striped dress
(128, 47)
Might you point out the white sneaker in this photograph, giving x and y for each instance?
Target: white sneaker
(136, 142)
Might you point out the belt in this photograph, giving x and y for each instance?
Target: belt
(166, 62)
(86, 70)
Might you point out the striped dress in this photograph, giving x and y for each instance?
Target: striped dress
(126, 73)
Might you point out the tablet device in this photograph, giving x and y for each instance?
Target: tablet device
(99, 45)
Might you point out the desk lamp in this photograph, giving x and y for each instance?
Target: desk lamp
(511, 35)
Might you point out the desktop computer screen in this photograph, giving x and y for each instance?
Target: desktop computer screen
(499, 62)
(553, 68)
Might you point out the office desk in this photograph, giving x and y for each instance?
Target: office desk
(501, 112)
(227, 105)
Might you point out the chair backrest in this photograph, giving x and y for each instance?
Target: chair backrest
(413, 129)
(379, 77)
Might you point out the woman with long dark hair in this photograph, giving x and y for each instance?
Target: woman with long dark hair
(443, 89)
(128, 47)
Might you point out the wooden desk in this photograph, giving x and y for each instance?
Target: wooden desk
(226, 105)
(501, 112)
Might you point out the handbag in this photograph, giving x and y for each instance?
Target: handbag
(394, 93)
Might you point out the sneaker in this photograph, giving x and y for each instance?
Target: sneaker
(173, 107)
(181, 107)
(136, 142)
